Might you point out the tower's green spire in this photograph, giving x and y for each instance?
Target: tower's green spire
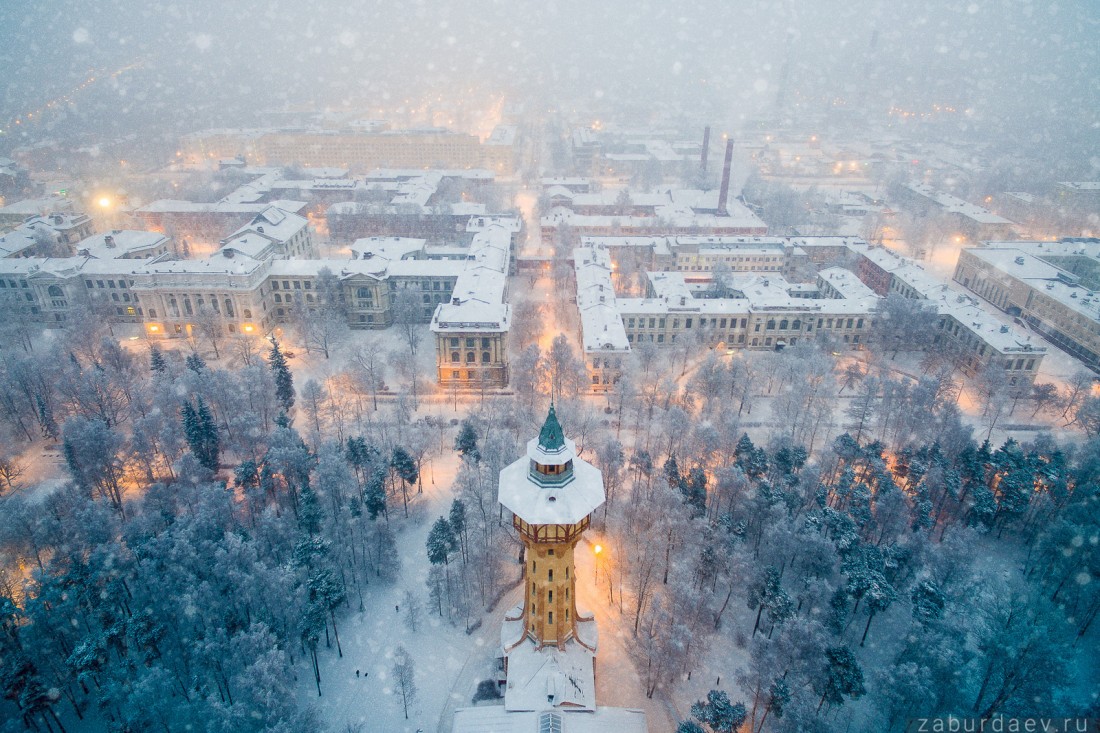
(551, 437)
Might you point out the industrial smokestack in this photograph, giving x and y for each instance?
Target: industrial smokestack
(706, 149)
(724, 191)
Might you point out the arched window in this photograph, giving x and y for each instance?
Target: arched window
(796, 325)
(470, 357)
(229, 307)
(55, 292)
(771, 325)
(247, 313)
(783, 325)
(484, 357)
(454, 356)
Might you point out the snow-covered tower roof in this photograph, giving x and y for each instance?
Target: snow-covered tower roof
(551, 485)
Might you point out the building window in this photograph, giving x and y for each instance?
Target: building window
(550, 617)
(485, 357)
(454, 357)
(551, 574)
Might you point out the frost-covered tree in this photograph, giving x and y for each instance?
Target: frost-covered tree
(284, 382)
(404, 677)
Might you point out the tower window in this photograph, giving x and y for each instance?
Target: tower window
(550, 596)
(551, 574)
(550, 617)
(567, 572)
(550, 552)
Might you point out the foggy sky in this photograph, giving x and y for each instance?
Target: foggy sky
(1009, 62)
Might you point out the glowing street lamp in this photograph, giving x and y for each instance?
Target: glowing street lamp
(596, 550)
(104, 202)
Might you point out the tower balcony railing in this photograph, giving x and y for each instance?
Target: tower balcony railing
(550, 532)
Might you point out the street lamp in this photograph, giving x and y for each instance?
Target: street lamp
(104, 202)
(596, 552)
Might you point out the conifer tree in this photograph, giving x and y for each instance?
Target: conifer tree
(719, 713)
(157, 363)
(284, 382)
(195, 363)
(466, 442)
(201, 433)
(46, 419)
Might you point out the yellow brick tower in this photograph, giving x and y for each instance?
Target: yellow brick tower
(551, 494)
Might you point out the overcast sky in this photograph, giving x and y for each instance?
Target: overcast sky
(1008, 62)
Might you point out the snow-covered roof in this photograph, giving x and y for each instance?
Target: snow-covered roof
(554, 504)
(496, 719)
(534, 675)
(387, 248)
(120, 243)
(477, 299)
(955, 205)
(35, 207)
(173, 206)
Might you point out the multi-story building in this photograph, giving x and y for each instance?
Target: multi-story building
(274, 233)
(40, 236)
(765, 311)
(971, 221)
(604, 337)
(1028, 280)
(471, 328)
(17, 212)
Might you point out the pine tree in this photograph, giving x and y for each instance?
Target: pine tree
(928, 602)
(191, 430)
(457, 518)
(842, 677)
(719, 713)
(672, 472)
(157, 363)
(284, 382)
(374, 494)
(466, 442)
(45, 418)
(310, 513)
(196, 363)
(406, 469)
(689, 726)
(766, 594)
(201, 433)
(211, 441)
(441, 542)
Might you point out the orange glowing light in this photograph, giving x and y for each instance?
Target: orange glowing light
(597, 549)
(154, 329)
(248, 329)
